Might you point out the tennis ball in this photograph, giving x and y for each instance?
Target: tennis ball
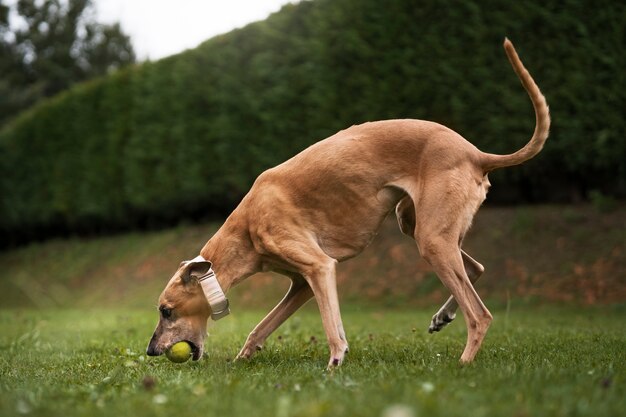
(179, 352)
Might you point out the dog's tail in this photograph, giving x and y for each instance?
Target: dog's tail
(490, 162)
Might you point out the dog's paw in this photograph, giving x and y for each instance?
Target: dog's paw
(440, 320)
(335, 362)
(336, 359)
(247, 352)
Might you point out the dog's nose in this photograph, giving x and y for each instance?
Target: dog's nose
(151, 351)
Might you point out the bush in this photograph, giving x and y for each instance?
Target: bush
(187, 135)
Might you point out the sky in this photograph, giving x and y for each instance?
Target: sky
(159, 28)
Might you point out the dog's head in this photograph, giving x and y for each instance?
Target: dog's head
(183, 311)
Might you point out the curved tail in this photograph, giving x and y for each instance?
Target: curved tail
(490, 162)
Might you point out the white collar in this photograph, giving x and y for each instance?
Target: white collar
(213, 292)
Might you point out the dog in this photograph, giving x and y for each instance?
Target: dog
(326, 204)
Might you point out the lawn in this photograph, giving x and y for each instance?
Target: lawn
(76, 315)
(534, 362)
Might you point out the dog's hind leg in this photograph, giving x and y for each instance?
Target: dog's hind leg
(447, 312)
(437, 233)
(299, 293)
(445, 258)
(405, 212)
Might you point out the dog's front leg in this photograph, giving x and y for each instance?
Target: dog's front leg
(321, 277)
(298, 294)
(447, 312)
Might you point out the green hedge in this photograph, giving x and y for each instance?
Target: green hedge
(188, 134)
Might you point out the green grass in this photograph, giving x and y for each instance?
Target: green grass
(545, 362)
(76, 315)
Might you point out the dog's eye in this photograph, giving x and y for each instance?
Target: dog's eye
(166, 312)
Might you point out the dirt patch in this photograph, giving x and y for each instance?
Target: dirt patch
(561, 254)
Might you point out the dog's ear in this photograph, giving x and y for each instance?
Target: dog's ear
(194, 270)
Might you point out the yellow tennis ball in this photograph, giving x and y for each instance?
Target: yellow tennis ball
(179, 352)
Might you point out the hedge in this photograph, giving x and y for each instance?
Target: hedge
(186, 136)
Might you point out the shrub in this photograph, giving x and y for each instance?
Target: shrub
(187, 135)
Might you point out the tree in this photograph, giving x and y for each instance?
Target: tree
(51, 45)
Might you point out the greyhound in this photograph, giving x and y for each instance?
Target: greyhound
(326, 204)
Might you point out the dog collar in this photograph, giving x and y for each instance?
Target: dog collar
(220, 307)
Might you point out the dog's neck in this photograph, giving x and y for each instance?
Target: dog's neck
(229, 253)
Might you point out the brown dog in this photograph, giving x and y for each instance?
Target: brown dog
(326, 204)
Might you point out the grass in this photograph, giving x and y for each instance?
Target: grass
(90, 362)
(76, 315)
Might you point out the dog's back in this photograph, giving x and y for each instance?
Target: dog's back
(341, 188)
